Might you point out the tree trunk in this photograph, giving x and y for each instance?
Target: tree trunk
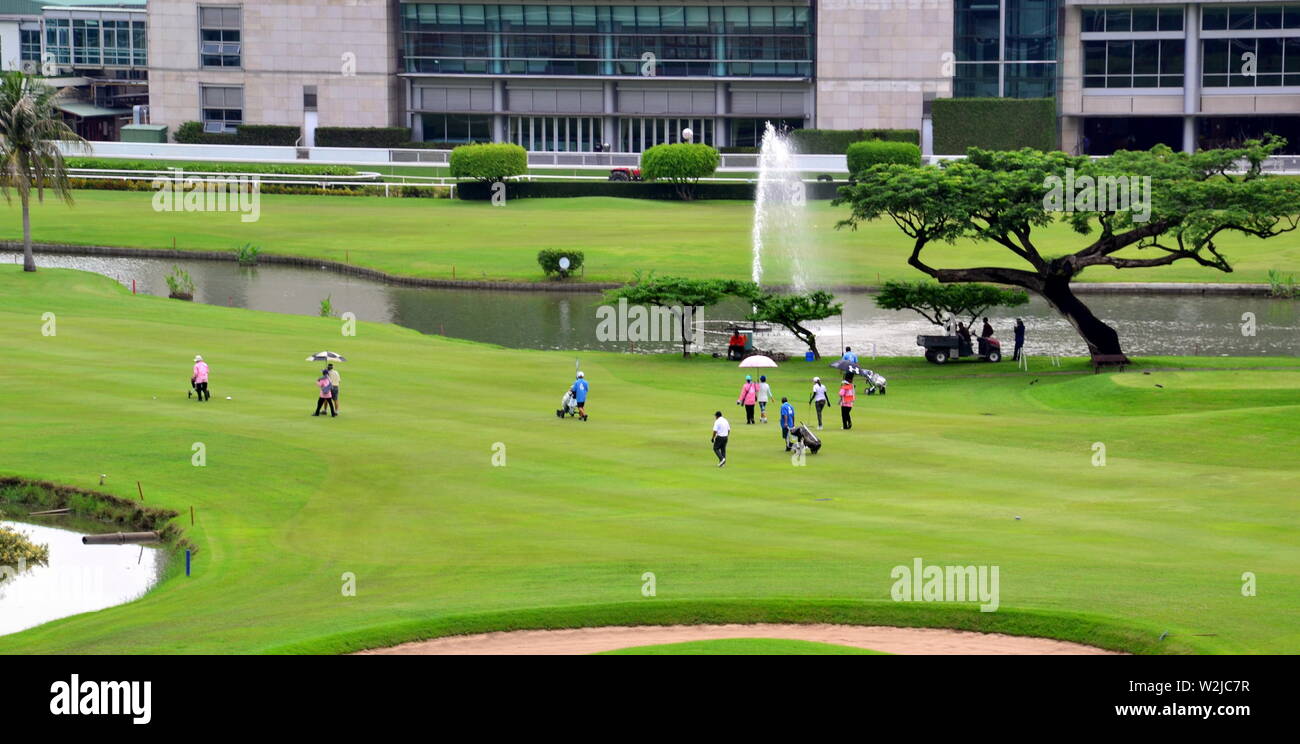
(1100, 338)
(29, 261)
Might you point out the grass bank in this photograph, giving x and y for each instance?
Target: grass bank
(446, 239)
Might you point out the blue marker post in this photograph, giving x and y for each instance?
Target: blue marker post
(187, 563)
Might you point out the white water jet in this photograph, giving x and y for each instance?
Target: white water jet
(780, 232)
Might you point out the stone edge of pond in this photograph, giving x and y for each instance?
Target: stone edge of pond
(117, 510)
(1115, 288)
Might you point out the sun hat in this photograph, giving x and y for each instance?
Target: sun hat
(748, 378)
(198, 358)
(580, 374)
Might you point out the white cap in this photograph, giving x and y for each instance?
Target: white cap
(581, 375)
(817, 379)
(198, 358)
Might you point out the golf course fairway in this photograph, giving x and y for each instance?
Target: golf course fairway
(458, 502)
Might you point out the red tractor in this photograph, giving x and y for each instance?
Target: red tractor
(625, 174)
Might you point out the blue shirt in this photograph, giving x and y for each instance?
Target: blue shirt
(850, 357)
(787, 415)
(580, 390)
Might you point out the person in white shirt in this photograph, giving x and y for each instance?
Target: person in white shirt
(764, 395)
(721, 430)
(818, 398)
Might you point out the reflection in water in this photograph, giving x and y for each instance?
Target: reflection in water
(1148, 324)
(79, 578)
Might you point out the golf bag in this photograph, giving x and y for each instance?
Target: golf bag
(804, 437)
(875, 383)
(568, 406)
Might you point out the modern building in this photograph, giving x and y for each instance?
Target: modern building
(1187, 75)
(92, 51)
(629, 74)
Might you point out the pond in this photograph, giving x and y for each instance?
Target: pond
(79, 578)
(1149, 324)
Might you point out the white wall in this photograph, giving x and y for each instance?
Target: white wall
(10, 45)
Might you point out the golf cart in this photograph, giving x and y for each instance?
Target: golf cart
(625, 174)
(939, 349)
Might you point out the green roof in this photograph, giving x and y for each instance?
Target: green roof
(87, 110)
(21, 7)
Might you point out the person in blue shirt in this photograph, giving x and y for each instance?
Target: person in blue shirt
(787, 421)
(849, 356)
(580, 395)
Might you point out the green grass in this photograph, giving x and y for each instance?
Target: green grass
(743, 647)
(440, 238)
(401, 491)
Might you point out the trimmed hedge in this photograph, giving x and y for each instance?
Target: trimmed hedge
(837, 141)
(145, 184)
(191, 133)
(488, 163)
(628, 190)
(549, 260)
(211, 167)
(993, 124)
(393, 137)
(863, 155)
(680, 163)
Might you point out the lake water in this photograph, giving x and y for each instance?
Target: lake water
(79, 578)
(1148, 324)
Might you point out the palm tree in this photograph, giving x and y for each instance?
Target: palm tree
(29, 155)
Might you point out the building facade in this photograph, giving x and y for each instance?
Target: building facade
(629, 74)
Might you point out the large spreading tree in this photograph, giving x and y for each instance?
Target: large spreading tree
(684, 296)
(791, 311)
(1007, 198)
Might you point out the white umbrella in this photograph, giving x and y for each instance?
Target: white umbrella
(757, 360)
(326, 356)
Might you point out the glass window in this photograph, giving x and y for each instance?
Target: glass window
(1094, 20)
(1034, 80)
(1214, 19)
(1146, 57)
(1119, 19)
(975, 30)
(1215, 56)
(1268, 16)
(1171, 19)
(1241, 18)
(1119, 58)
(976, 81)
(1171, 58)
(219, 36)
(1291, 17)
(1145, 19)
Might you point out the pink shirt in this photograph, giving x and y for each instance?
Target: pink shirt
(324, 384)
(200, 371)
(749, 393)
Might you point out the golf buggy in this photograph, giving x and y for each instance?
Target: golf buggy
(625, 174)
(939, 349)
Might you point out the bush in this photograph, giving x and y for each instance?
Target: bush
(550, 262)
(362, 136)
(210, 167)
(179, 284)
(247, 254)
(993, 124)
(681, 164)
(488, 162)
(482, 191)
(739, 150)
(191, 133)
(863, 155)
(837, 141)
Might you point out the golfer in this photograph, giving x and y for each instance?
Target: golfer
(334, 384)
(764, 395)
(748, 397)
(787, 422)
(199, 379)
(987, 330)
(847, 394)
(580, 395)
(818, 399)
(849, 356)
(1020, 338)
(721, 430)
(326, 399)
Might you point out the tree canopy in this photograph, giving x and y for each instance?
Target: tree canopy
(688, 294)
(1177, 206)
(793, 310)
(935, 301)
